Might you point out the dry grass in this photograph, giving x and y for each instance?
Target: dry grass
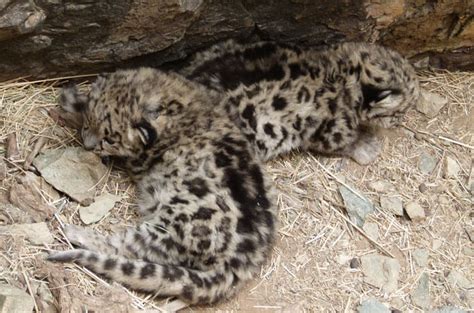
(309, 268)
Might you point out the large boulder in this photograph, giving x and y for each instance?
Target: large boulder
(47, 38)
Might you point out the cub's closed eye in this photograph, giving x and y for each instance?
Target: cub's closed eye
(109, 141)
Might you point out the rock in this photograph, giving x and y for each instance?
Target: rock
(423, 188)
(381, 186)
(45, 299)
(357, 208)
(456, 278)
(421, 295)
(10, 214)
(468, 251)
(392, 204)
(430, 103)
(426, 163)
(15, 300)
(451, 168)
(415, 211)
(97, 210)
(372, 230)
(36, 233)
(354, 263)
(436, 244)
(33, 194)
(449, 309)
(381, 271)
(372, 306)
(421, 257)
(73, 171)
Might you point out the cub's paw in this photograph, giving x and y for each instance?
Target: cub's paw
(366, 150)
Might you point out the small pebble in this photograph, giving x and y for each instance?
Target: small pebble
(451, 168)
(426, 163)
(423, 188)
(415, 211)
(421, 295)
(421, 257)
(392, 204)
(372, 306)
(354, 263)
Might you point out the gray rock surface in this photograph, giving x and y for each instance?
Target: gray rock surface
(36, 233)
(97, 210)
(57, 38)
(451, 168)
(372, 306)
(456, 278)
(421, 257)
(381, 271)
(427, 163)
(431, 103)
(381, 186)
(15, 300)
(357, 208)
(415, 211)
(392, 204)
(421, 295)
(73, 171)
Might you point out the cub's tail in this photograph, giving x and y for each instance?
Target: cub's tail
(189, 285)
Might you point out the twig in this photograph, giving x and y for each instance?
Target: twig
(45, 80)
(30, 290)
(456, 142)
(12, 147)
(362, 232)
(36, 149)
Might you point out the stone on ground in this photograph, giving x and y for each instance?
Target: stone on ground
(415, 211)
(97, 210)
(430, 103)
(451, 168)
(392, 204)
(13, 299)
(421, 257)
(36, 233)
(421, 295)
(372, 306)
(73, 171)
(357, 208)
(455, 277)
(426, 163)
(371, 229)
(381, 186)
(381, 271)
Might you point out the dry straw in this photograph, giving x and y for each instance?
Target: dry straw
(309, 268)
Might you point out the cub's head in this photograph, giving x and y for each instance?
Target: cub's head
(388, 83)
(113, 121)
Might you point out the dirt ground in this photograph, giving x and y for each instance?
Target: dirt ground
(316, 265)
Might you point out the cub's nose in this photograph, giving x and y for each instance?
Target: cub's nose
(90, 142)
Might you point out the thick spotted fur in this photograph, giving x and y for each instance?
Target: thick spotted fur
(327, 100)
(208, 210)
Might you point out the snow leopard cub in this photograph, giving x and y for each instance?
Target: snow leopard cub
(208, 208)
(327, 100)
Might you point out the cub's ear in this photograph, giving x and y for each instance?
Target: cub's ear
(71, 100)
(146, 132)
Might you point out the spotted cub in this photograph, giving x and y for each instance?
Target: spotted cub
(208, 208)
(327, 100)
